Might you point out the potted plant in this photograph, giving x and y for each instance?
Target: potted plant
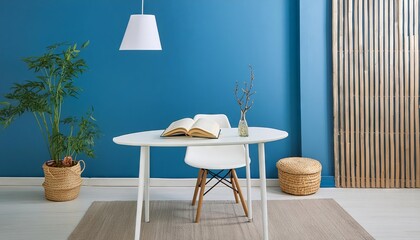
(66, 138)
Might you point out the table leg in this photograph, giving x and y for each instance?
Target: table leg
(144, 154)
(261, 159)
(146, 187)
(248, 183)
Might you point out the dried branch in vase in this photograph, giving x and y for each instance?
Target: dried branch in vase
(244, 98)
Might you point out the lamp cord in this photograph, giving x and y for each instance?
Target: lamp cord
(142, 6)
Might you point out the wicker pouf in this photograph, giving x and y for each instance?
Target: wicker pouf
(299, 176)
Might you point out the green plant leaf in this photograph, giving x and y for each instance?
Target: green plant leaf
(69, 120)
(85, 44)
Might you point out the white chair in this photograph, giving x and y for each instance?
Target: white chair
(221, 158)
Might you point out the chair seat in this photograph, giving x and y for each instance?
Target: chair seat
(216, 157)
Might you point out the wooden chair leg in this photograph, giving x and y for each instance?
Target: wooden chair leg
(235, 178)
(200, 200)
(235, 194)
(197, 186)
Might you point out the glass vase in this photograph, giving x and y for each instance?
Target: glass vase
(243, 126)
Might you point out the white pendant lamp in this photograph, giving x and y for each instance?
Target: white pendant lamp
(141, 33)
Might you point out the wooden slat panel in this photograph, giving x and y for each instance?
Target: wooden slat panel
(376, 91)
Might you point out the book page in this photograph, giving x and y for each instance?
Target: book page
(179, 127)
(207, 126)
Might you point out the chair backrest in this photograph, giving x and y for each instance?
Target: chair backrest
(231, 155)
(221, 119)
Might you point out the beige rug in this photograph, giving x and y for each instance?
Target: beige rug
(173, 220)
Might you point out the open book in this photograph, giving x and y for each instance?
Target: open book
(203, 127)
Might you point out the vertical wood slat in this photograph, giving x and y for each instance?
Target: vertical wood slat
(376, 90)
(406, 94)
(335, 88)
(381, 95)
(416, 87)
(346, 93)
(361, 97)
(401, 97)
(397, 92)
(341, 91)
(371, 95)
(356, 95)
(411, 112)
(411, 94)
(368, 77)
(391, 93)
(365, 124)
(397, 105)
(376, 95)
(351, 94)
(385, 134)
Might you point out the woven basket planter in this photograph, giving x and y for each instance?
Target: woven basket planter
(299, 176)
(62, 183)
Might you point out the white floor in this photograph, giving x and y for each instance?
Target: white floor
(25, 214)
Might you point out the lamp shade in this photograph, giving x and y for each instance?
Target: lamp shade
(141, 33)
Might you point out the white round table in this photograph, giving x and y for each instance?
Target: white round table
(228, 136)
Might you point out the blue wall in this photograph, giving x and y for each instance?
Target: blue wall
(207, 46)
(316, 84)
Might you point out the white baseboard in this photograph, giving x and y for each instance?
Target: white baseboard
(21, 181)
(124, 182)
